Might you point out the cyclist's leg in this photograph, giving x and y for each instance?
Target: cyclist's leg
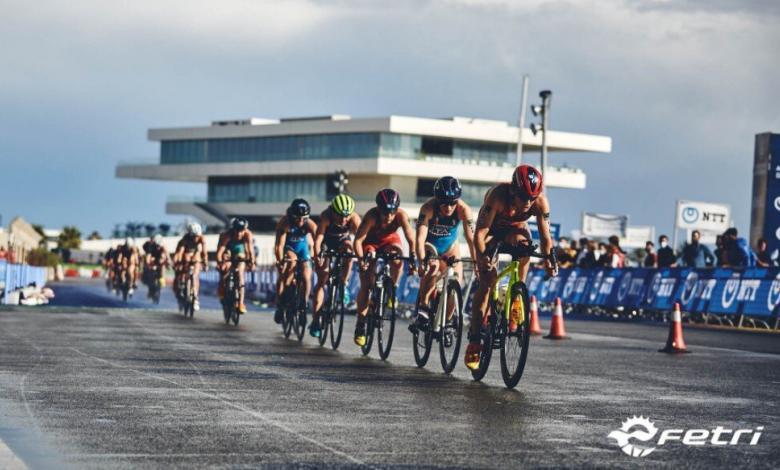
(196, 278)
(347, 247)
(241, 270)
(307, 278)
(323, 273)
(367, 279)
(428, 283)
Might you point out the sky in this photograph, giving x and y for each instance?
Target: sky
(682, 87)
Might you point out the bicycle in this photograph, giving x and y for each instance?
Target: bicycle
(125, 284)
(294, 303)
(495, 334)
(446, 327)
(186, 294)
(333, 309)
(154, 278)
(382, 304)
(232, 290)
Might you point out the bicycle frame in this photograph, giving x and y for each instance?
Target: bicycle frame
(513, 271)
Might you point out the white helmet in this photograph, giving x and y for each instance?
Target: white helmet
(130, 241)
(193, 228)
(158, 239)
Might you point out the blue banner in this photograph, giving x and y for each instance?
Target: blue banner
(772, 202)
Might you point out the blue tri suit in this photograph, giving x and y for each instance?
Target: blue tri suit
(297, 243)
(443, 230)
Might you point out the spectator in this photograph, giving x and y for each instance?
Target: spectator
(603, 259)
(720, 251)
(3, 253)
(696, 255)
(565, 260)
(763, 258)
(583, 250)
(651, 258)
(587, 257)
(617, 257)
(666, 256)
(738, 253)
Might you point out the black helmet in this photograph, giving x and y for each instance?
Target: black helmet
(388, 200)
(298, 209)
(447, 189)
(238, 223)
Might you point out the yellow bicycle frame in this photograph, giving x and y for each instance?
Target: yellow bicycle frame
(513, 271)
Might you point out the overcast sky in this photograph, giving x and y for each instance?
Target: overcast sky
(682, 87)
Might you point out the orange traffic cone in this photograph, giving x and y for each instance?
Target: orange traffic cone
(557, 331)
(675, 342)
(535, 327)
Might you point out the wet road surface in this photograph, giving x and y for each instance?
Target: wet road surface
(108, 387)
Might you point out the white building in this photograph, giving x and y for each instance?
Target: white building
(255, 167)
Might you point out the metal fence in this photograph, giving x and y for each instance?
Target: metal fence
(15, 276)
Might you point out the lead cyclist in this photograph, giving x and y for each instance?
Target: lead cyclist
(503, 220)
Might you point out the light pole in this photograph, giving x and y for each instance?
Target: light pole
(543, 111)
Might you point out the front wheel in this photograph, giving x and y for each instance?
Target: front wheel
(336, 320)
(486, 337)
(514, 348)
(452, 333)
(386, 320)
(422, 340)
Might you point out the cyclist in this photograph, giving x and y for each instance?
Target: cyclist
(437, 236)
(109, 259)
(337, 227)
(155, 260)
(235, 243)
(378, 233)
(128, 260)
(191, 249)
(502, 220)
(294, 239)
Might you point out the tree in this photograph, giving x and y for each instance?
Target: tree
(164, 229)
(69, 239)
(42, 257)
(39, 229)
(94, 236)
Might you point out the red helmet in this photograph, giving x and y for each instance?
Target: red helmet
(527, 181)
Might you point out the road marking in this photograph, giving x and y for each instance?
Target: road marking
(9, 460)
(236, 406)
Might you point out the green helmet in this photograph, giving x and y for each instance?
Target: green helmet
(343, 205)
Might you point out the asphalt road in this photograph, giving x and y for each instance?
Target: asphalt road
(108, 387)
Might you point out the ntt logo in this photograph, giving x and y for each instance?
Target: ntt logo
(690, 214)
(643, 430)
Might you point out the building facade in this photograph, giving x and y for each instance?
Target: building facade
(255, 167)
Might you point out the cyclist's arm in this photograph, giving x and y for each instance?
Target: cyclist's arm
(406, 226)
(543, 223)
(426, 213)
(249, 246)
(204, 253)
(354, 222)
(487, 214)
(320, 236)
(311, 227)
(281, 238)
(366, 225)
(467, 217)
(221, 246)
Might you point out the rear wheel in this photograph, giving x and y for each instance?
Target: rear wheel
(290, 312)
(370, 327)
(452, 333)
(422, 340)
(336, 323)
(514, 348)
(386, 320)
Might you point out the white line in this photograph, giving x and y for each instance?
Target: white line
(236, 406)
(9, 460)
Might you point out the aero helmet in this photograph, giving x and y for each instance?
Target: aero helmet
(447, 189)
(343, 205)
(527, 182)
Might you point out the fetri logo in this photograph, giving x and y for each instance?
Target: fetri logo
(644, 430)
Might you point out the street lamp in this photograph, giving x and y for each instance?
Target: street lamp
(542, 110)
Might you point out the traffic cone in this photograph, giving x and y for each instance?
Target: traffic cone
(557, 331)
(535, 327)
(675, 342)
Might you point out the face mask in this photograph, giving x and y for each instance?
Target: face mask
(663, 244)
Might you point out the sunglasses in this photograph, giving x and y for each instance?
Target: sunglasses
(449, 204)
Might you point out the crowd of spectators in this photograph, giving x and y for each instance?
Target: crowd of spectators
(731, 251)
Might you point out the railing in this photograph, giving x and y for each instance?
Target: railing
(15, 276)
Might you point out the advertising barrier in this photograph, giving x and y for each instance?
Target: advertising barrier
(15, 276)
(752, 292)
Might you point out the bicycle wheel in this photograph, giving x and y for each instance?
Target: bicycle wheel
(422, 341)
(452, 333)
(370, 327)
(302, 307)
(290, 312)
(486, 338)
(514, 348)
(325, 313)
(336, 323)
(386, 320)
(190, 310)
